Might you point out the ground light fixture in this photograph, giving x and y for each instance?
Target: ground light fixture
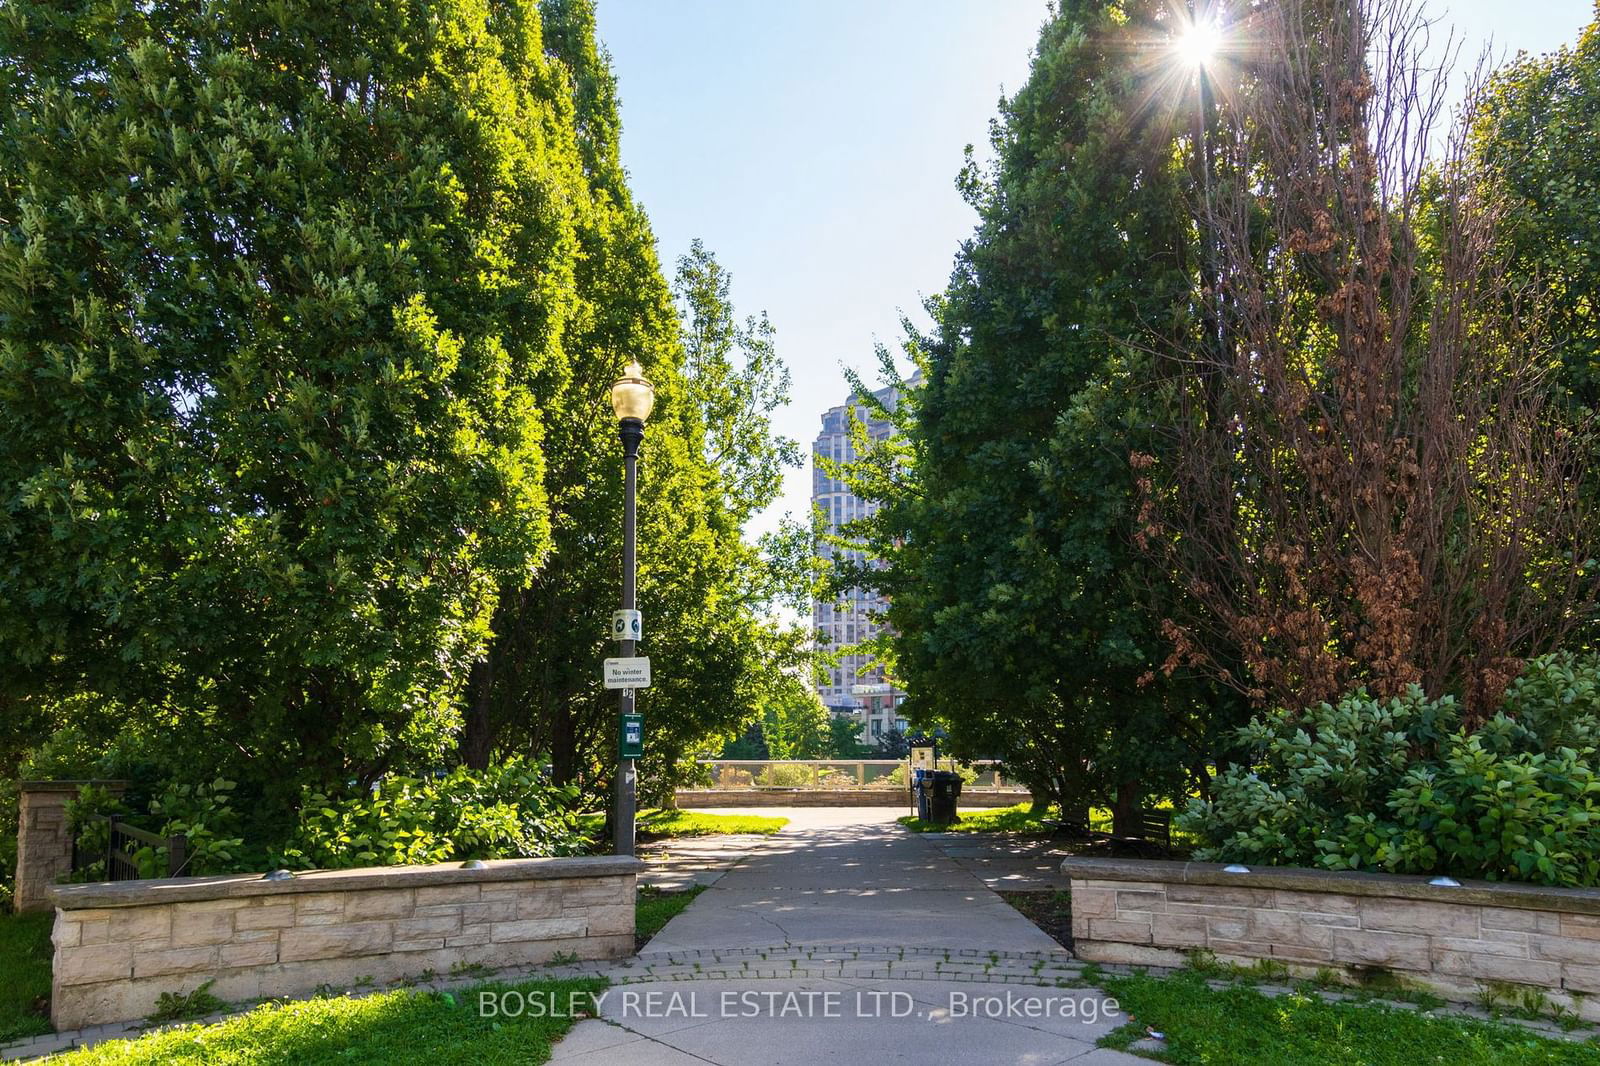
(632, 398)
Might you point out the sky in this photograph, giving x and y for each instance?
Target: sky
(813, 145)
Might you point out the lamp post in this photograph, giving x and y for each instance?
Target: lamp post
(632, 397)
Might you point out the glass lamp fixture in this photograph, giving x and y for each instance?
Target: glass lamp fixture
(633, 396)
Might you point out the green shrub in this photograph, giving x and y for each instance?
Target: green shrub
(506, 811)
(782, 775)
(898, 777)
(1400, 785)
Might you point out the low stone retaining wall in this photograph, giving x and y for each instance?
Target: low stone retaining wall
(832, 797)
(1454, 939)
(119, 946)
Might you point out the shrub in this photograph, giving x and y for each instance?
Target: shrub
(898, 777)
(1399, 785)
(506, 811)
(782, 775)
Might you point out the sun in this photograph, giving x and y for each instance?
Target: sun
(1198, 43)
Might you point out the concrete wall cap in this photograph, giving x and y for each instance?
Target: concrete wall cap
(237, 886)
(1342, 882)
(69, 786)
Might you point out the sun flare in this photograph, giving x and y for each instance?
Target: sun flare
(1198, 43)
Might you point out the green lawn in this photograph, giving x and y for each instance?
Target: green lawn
(658, 824)
(24, 975)
(661, 824)
(1242, 1027)
(387, 1027)
(1019, 819)
(656, 908)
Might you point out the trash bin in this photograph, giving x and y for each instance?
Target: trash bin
(941, 787)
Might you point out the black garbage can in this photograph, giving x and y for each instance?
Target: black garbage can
(942, 788)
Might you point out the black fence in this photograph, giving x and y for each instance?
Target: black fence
(123, 843)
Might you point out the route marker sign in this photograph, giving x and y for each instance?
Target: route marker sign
(627, 625)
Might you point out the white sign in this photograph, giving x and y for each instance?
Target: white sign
(628, 673)
(627, 625)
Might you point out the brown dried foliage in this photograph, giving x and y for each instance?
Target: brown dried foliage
(1367, 486)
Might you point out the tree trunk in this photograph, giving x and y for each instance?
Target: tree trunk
(477, 733)
(1125, 810)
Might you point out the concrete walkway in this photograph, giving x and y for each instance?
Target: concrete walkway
(843, 938)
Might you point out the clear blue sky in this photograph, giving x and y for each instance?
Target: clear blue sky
(813, 145)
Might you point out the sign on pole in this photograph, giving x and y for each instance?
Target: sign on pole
(627, 625)
(628, 673)
(632, 734)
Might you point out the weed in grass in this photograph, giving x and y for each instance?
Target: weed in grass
(1327, 977)
(1268, 970)
(1488, 997)
(182, 1006)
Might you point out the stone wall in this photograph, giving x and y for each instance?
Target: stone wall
(1455, 939)
(831, 797)
(119, 946)
(44, 843)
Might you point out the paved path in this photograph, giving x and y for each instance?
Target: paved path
(843, 939)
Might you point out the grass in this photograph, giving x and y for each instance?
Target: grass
(24, 975)
(659, 824)
(656, 908)
(1242, 1027)
(663, 824)
(1019, 819)
(439, 1028)
(1050, 911)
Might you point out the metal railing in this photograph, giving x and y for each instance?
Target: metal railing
(887, 774)
(122, 853)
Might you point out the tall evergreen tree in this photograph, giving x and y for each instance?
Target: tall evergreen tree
(280, 285)
(708, 463)
(1020, 609)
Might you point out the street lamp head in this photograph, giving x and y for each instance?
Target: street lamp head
(632, 396)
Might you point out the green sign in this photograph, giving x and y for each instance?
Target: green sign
(632, 736)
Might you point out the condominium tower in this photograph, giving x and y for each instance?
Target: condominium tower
(853, 686)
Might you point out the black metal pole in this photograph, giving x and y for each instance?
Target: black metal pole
(632, 432)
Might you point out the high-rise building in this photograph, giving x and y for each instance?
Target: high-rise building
(853, 686)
